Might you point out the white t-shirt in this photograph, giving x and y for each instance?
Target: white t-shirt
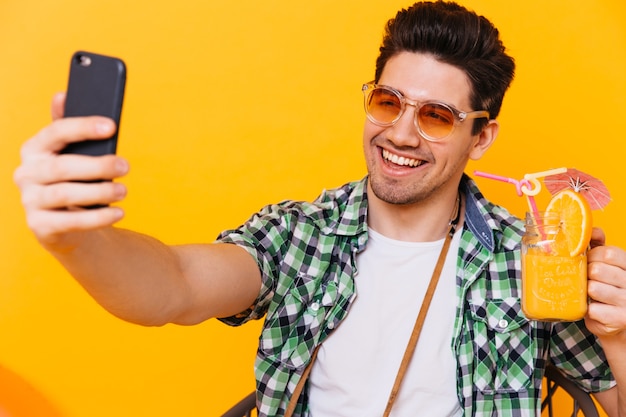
(357, 365)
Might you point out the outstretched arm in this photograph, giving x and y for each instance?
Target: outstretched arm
(133, 276)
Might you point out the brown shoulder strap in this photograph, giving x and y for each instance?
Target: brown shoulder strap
(419, 323)
(298, 390)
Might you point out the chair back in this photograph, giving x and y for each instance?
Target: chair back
(581, 400)
(555, 380)
(246, 407)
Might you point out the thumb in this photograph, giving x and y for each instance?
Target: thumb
(598, 237)
(58, 104)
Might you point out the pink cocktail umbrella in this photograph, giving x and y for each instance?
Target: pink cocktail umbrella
(593, 189)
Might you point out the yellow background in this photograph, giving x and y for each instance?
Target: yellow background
(232, 105)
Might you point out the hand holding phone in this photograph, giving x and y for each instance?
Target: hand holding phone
(50, 196)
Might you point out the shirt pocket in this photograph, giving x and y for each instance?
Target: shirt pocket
(503, 346)
(292, 331)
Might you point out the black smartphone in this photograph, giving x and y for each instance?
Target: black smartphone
(95, 88)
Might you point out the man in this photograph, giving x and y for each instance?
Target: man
(341, 280)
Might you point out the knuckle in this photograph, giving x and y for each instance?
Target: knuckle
(611, 254)
(107, 191)
(592, 270)
(26, 173)
(29, 198)
(112, 166)
(28, 148)
(56, 196)
(19, 176)
(37, 224)
(55, 169)
(55, 129)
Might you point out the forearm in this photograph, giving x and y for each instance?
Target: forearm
(133, 276)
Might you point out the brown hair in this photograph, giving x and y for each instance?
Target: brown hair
(459, 37)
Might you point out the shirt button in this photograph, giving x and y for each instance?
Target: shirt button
(331, 325)
(503, 324)
(315, 306)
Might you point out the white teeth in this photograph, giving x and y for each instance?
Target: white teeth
(400, 160)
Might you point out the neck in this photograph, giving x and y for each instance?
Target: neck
(426, 221)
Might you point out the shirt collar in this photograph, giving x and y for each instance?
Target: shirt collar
(486, 220)
(341, 211)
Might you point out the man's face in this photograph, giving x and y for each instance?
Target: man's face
(435, 167)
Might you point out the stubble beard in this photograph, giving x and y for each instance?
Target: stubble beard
(391, 192)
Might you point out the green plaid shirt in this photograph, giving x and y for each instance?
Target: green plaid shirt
(307, 256)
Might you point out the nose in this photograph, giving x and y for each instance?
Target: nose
(404, 131)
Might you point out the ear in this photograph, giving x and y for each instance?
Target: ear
(484, 139)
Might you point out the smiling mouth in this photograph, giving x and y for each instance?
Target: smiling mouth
(401, 160)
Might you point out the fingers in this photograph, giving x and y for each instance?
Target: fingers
(57, 135)
(605, 320)
(51, 226)
(68, 195)
(54, 185)
(607, 290)
(605, 255)
(606, 271)
(59, 168)
(53, 210)
(58, 104)
(42, 164)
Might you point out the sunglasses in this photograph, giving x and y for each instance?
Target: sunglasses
(434, 120)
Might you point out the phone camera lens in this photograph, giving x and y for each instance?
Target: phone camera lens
(84, 61)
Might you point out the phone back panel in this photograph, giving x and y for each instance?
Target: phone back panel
(95, 87)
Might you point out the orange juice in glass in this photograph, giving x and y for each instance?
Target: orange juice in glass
(554, 281)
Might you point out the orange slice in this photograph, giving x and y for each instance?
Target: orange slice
(576, 219)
